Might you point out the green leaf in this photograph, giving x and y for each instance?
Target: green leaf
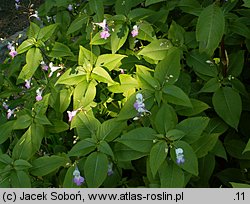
(246, 3)
(47, 164)
(118, 37)
(176, 96)
(176, 34)
(86, 57)
(101, 75)
(83, 147)
(128, 84)
(33, 30)
(211, 86)
(227, 104)
(5, 131)
(219, 150)
(21, 164)
(108, 130)
(57, 126)
(60, 50)
(239, 28)
(139, 139)
(95, 169)
(198, 62)
(26, 45)
(210, 28)
(240, 185)
(86, 124)
(206, 169)
(29, 143)
(171, 175)
(149, 2)
(22, 122)
(175, 134)
(191, 163)
(40, 107)
(46, 32)
(236, 63)
(125, 153)
(165, 119)
(197, 107)
(77, 24)
(65, 99)
(69, 78)
(168, 70)
(33, 59)
(157, 49)
(193, 127)
(157, 156)
(145, 79)
(68, 181)
(20, 179)
(105, 148)
(96, 6)
(84, 93)
(146, 32)
(124, 8)
(205, 144)
(247, 148)
(190, 6)
(110, 61)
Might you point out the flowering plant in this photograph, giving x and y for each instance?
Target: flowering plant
(127, 93)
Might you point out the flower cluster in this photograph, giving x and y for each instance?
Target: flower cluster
(179, 156)
(12, 50)
(78, 179)
(105, 30)
(140, 106)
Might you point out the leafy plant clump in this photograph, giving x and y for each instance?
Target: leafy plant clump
(128, 93)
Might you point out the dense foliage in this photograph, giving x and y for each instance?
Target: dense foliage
(128, 93)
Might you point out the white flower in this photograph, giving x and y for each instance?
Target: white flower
(53, 68)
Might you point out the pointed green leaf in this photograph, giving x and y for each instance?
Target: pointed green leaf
(171, 175)
(227, 104)
(176, 96)
(139, 139)
(83, 147)
(61, 50)
(168, 70)
(20, 179)
(193, 127)
(118, 37)
(101, 75)
(157, 49)
(47, 164)
(157, 156)
(95, 169)
(5, 131)
(110, 61)
(210, 28)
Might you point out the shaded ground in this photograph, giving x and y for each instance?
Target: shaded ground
(12, 20)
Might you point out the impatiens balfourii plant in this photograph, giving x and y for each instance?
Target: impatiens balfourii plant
(136, 93)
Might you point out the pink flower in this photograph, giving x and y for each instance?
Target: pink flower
(44, 66)
(105, 34)
(105, 30)
(5, 106)
(71, 114)
(135, 31)
(39, 92)
(27, 83)
(12, 49)
(10, 113)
